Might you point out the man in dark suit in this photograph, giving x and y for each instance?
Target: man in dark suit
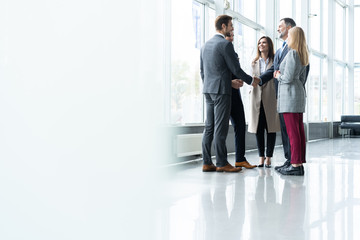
(218, 61)
(283, 29)
(237, 118)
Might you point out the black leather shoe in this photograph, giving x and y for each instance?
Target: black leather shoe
(302, 169)
(261, 165)
(291, 170)
(286, 164)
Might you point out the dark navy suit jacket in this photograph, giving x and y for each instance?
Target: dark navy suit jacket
(268, 75)
(279, 57)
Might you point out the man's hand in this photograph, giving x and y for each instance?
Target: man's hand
(237, 83)
(256, 81)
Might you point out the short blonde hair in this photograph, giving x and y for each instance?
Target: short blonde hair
(298, 43)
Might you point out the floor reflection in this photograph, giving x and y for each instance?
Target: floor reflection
(224, 209)
(262, 204)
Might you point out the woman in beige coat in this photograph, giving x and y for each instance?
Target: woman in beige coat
(263, 114)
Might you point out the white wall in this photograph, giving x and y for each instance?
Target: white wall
(80, 91)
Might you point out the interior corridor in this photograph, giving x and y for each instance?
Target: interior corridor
(260, 203)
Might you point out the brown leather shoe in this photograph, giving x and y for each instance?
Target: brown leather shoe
(228, 168)
(244, 164)
(209, 168)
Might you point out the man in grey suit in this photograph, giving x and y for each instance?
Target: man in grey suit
(218, 61)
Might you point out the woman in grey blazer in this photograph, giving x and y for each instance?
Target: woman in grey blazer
(291, 98)
(263, 114)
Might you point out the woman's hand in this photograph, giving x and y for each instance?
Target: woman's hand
(277, 74)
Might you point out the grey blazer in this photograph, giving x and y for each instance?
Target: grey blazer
(291, 89)
(218, 61)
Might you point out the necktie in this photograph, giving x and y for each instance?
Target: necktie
(283, 47)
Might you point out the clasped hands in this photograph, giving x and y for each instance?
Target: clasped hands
(277, 74)
(256, 81)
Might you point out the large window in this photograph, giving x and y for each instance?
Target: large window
(357, 91)
(346, 109)
(357, 34)
(324, 91)
(284, 6)
(325, 26)
(317, 90)
(298, 12)
(314, 25)
(339, 31)
(187, 28)
(246, 45)
(313, 86)
(339, 78)
(246, 8)
(262, 12)
(211, 23)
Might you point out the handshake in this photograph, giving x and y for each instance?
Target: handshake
(238, 83)
(256, 81)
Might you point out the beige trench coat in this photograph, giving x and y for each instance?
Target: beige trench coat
(266, 93)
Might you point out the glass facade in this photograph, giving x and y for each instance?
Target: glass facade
(187, 31)
(314, 25)
(357, 91)
(357, 35)
(313, 90)
(192, 24)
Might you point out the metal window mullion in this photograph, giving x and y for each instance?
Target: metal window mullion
(320, 88)
(330, 62)
(342, 4)
(167, 60)
(205, 1)
(240, 18)
(321, 25)
(257, 11)
(293, 8)
(351, 24)
(343, 91)
(344, 35)
(317, 53)
(205, 36)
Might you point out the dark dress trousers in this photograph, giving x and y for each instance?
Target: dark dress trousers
(218, 62)
(237, 117)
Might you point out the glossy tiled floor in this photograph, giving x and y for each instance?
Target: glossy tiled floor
(262, 204)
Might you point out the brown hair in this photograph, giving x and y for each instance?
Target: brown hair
(222, 19)
(298, 43)
(271, 53)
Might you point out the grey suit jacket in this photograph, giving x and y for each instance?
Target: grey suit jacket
(291, 91)
(218, 61)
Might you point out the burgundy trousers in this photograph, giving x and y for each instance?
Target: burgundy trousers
(295, 130)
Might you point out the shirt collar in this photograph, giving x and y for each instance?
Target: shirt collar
(220, 34)
(263, 60)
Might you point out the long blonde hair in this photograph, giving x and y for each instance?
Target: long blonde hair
(298, 43)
